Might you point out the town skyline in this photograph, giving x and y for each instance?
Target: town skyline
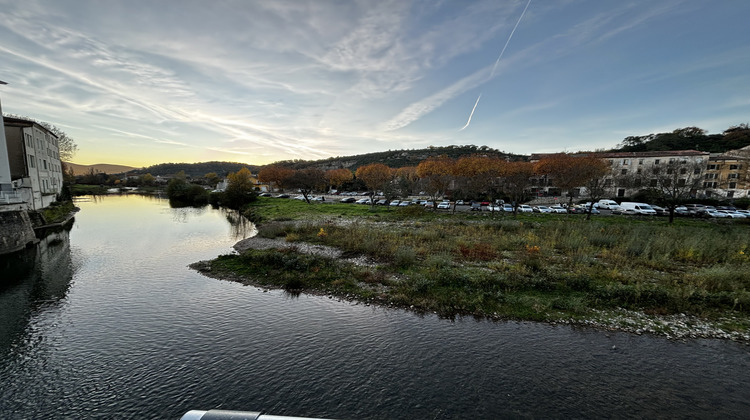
(265, 82)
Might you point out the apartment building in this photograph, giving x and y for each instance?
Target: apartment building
(727, 176)
(634, 171)
(34, 163)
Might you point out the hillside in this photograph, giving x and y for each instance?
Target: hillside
(195, 170)
(103, 168)
(398, 158)
(689, 138)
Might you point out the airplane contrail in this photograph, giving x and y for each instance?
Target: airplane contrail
(492, 74)
(472, 112)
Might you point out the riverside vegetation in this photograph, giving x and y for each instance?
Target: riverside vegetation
(553, 268)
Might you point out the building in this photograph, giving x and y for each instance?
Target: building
(727, 176)
(635, 171)
(33, 160)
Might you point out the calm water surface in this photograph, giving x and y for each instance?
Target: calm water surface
(107, 321)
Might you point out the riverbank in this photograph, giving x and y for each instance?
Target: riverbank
(644, 277)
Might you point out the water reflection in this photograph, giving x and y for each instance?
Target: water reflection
(33, 279)
(241, 227)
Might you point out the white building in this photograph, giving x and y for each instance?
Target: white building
(33, 160)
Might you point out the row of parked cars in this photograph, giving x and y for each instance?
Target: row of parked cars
(688, 210)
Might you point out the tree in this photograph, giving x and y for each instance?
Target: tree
(212, 179)
(406, 180)
(594, 171)
(307, 181)
(438, 174)
(565, 170)
(146, 179)
(674, 182)
(337, 177)
(516, 181)
(376, 177)
(240, 189)
(276, 175)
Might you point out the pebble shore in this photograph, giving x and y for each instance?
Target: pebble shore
(678, 327)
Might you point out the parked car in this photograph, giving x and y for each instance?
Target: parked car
(558, 209)
(695, 209)
(318, 198)
(381, 202)
(660, 211)
(364, 201)
(395, 203)
(476, 206)
(265, 194)
(348, 200)
(444, 205)
(525, 208)
(713, 213)
(460, 202)
(608, 205)
(282, 196)
(733, 214)
(542, 209)
(508, 208)
(404, 203)
(630, 207)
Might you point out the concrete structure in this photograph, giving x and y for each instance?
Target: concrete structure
(34, 163)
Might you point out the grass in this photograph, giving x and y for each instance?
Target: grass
(533, 267)
(58, 212)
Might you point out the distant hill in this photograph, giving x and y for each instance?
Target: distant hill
(103, 168)
(398, 158)
(196, 170)
(688, 138)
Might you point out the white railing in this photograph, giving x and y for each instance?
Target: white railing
(10, 197)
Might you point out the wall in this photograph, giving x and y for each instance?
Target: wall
(16, 231)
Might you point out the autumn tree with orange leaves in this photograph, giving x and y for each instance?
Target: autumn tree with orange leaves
(568, 171)
(337, 177)
(475, 176)
(376, 177)
(516, 182)
(438, 175)
(275, 175)
(406, 179)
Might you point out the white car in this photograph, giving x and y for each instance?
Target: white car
(558, 209)
(542, 209)
(444, 205)
(395, 203)
(733, 214)
(525, 208)
(364, 201)
(715, 213)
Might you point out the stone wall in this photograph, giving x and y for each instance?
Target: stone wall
(16, 231)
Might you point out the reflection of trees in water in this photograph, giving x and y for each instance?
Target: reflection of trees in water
(32, 280)
(241, 227)
(183, 214)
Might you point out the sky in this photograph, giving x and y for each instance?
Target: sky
(142, 82)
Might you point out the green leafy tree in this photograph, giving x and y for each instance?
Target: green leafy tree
(240, 189)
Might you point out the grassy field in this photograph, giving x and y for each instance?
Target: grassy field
(530, 267)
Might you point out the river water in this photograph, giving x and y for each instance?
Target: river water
(107, 321)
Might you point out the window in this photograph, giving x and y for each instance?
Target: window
(732, 185)
(639, 170)
(656, 161)
(624, 172)
(683, 171)
(711, 176)
(671, 160)
(656, 171)
(640, 161)
(670, 171)
(654, 183)
(621, 192)
(681, 182)
(730, 194)
(734, 167)
(711, 167)
(732, 176)
(44, 161)
(626, 161)
(32, 163)
(697, 171)
(607, 182)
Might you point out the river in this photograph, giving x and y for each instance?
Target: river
(107, 321)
